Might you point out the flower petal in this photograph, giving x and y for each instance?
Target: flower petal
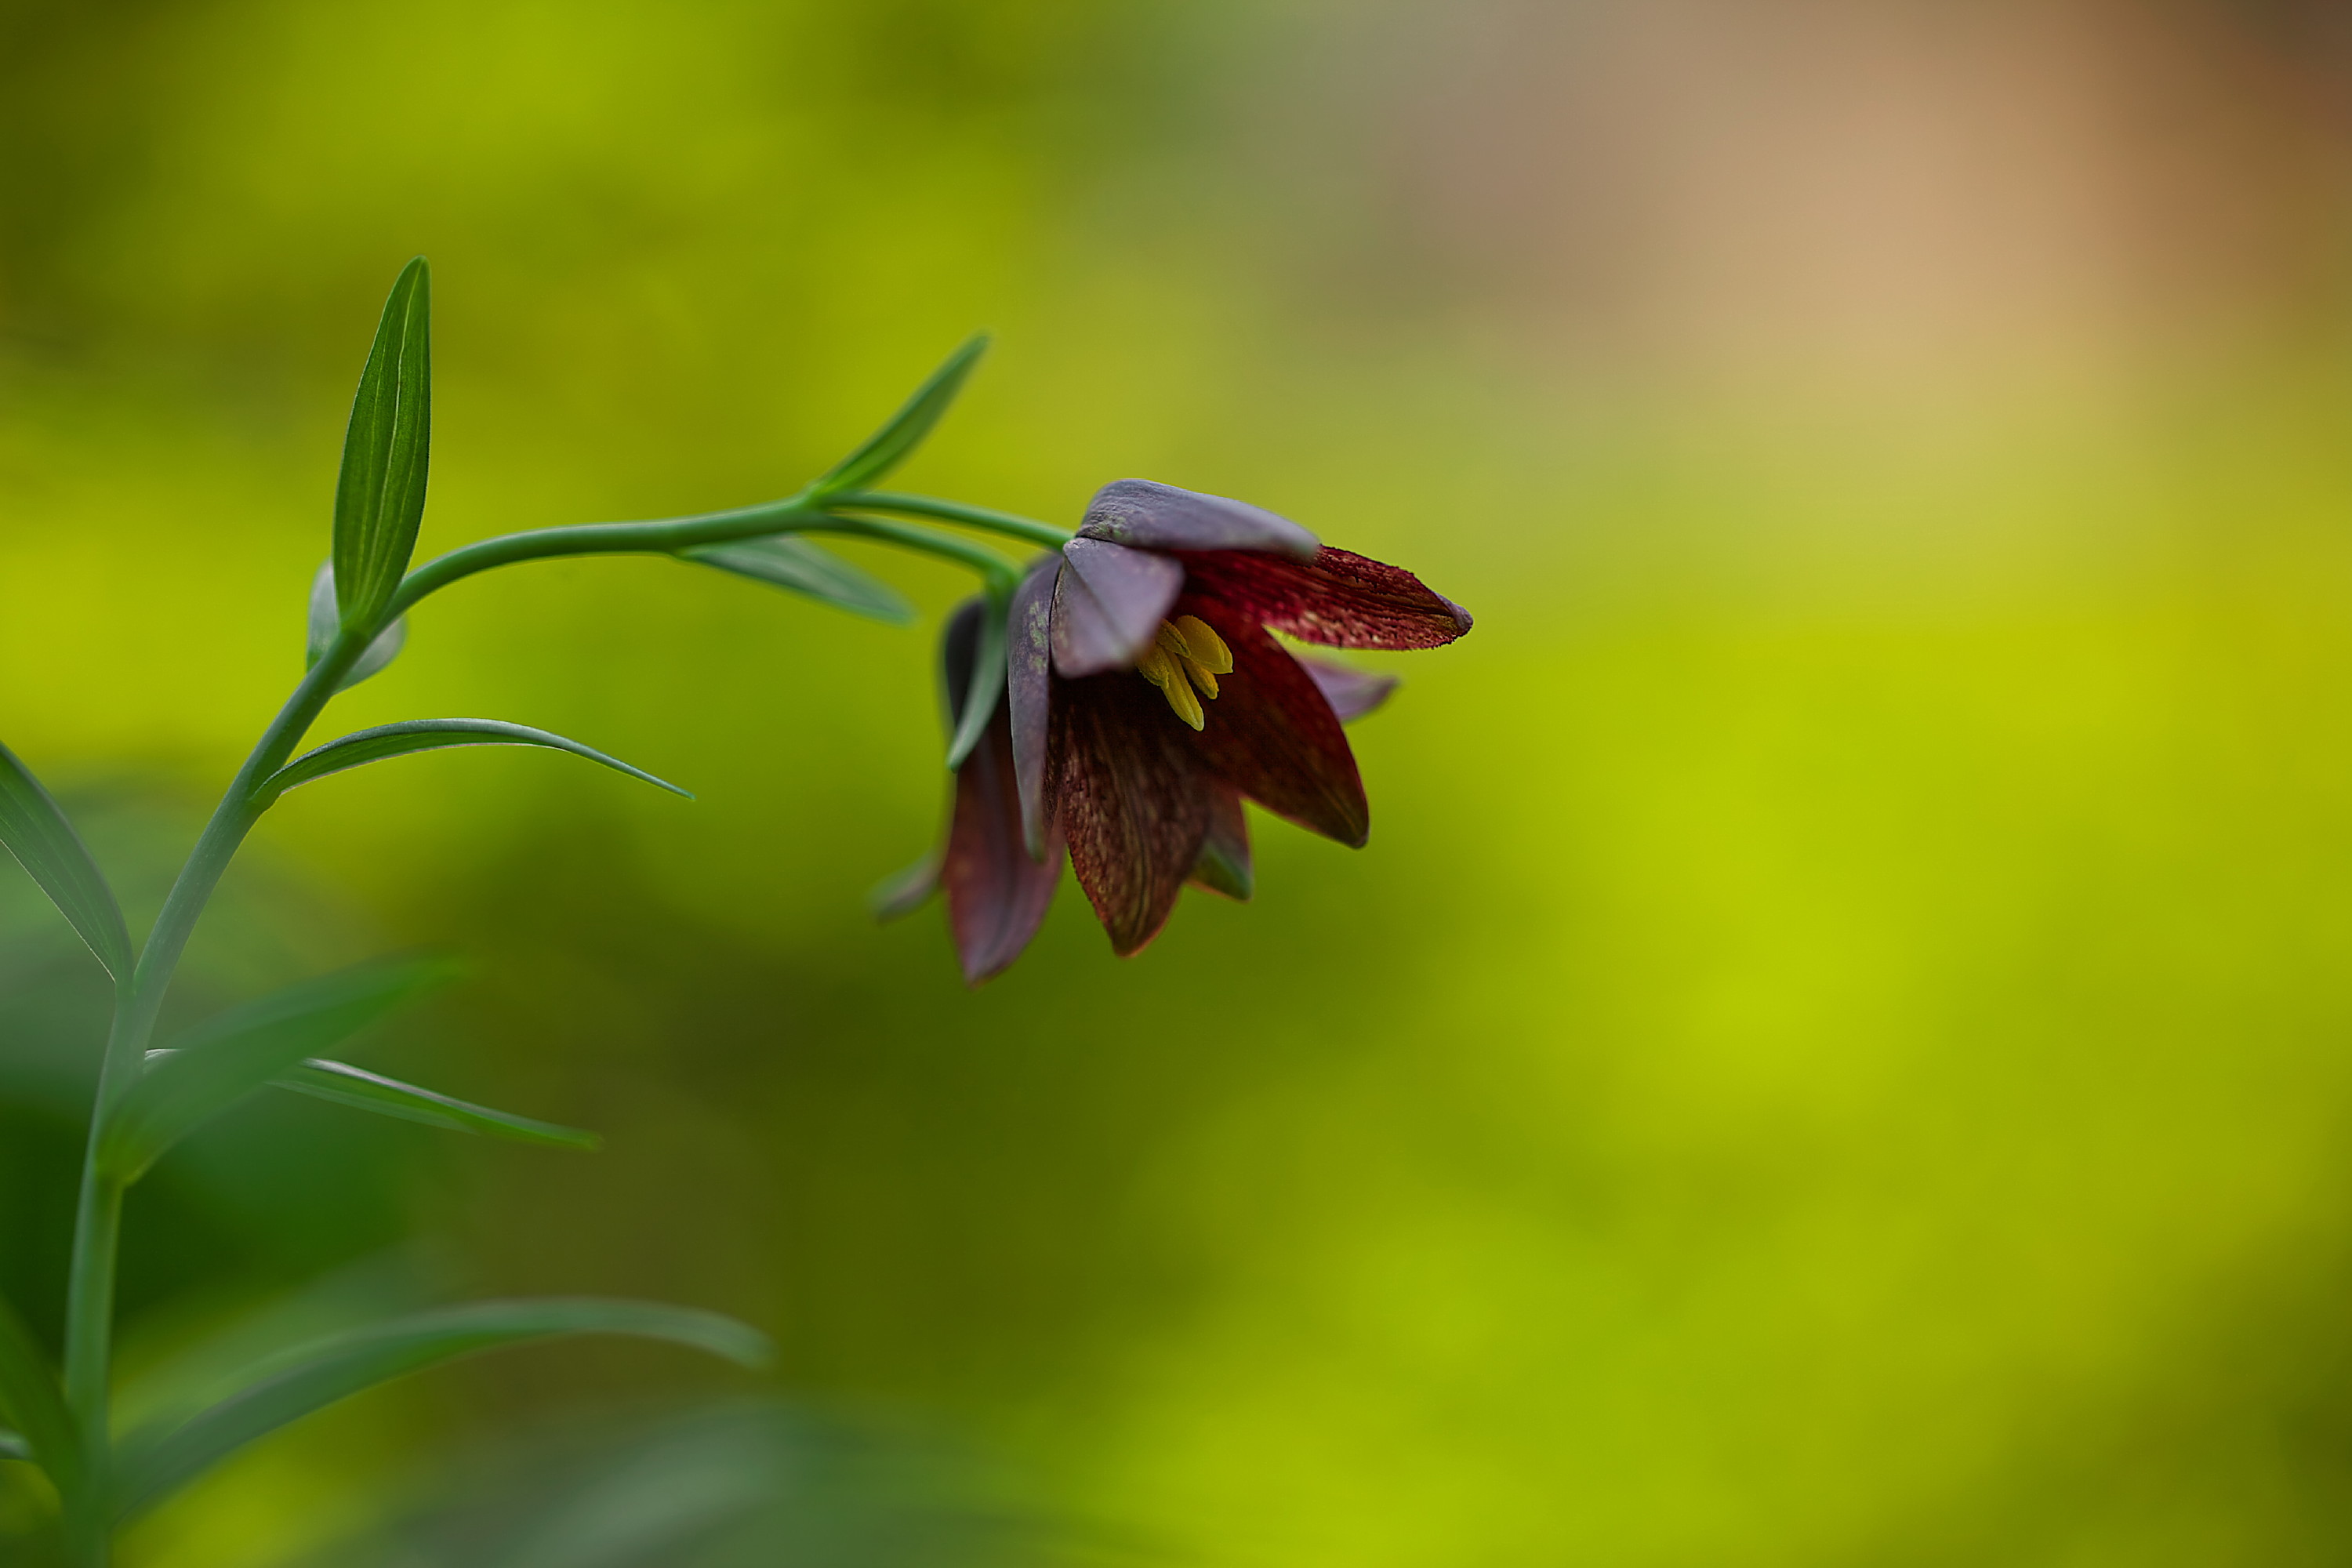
(1352, 693)
(1272, 735)
(1339, 599)
(1107, 604)
(997, 895)
(1028, 685)
(1153, 516)
(1224, 863)
(1134, 801)
(959, 647)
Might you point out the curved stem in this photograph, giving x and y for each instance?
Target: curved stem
(668, 536)
(90, 1298)
(1029, 531)
(89, 1312)
(664, 537)
(231, 821)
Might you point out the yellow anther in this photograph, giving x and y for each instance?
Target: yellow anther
(1174, 664)
(1204, 646)
(1156, 667)
(1178, 648)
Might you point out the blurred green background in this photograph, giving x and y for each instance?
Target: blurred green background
(1839, 1049)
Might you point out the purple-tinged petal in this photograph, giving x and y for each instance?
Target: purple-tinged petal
(1109, 604)
(1339, 599)
(1134, 800)
(1352, 693)
(1028, 685)
(901, 893)
(959, 647)
(1152, 516)
(1273, 736)
(997, 895)
(1224, 863)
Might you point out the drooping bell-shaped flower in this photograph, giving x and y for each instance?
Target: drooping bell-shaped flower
(1148, 695)
(1147, 698)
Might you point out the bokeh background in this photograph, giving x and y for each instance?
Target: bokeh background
(1839, 1049)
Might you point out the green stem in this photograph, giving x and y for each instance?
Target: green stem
(89, 1299)
(1029, 531)
(97, 1221)
(665, 537)
(669, 536)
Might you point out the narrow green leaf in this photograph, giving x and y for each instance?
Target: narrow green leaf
(889, 446)
(255, 1344)
(326, 621)
(154, 1463)
(380, 496)
(986, 689)
(427, 735)
(784, 561)
(231, 1055)
(363, 1090)
(12, 1445)
(37, 834)
(34, 1405)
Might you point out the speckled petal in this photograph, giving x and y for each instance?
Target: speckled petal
(1109, 603)
(1339, 599)
(1273, 736)
(1152, 516)
(1134, 800)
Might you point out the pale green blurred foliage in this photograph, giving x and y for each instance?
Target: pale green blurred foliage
(1838, 1048)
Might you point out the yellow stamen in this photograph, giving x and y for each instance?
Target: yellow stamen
(1178, 648)
(1184, 654)
(1156, 667)
(1204, 645)
(1178, 692)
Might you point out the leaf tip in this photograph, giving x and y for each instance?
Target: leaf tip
(746, 1346)
(432, 971)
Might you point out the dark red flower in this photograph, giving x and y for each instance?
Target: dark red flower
(1140, 780)
(1147, 699)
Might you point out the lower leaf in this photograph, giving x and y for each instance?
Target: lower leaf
(363, 1090)
(153, 1463)
(42, 1428)
(228, 1056)
(429, 735)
